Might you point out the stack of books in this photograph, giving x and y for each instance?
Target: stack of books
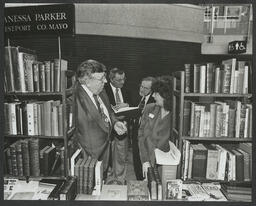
(23, 73)
(229, 77)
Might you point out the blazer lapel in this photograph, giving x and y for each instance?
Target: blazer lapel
(87, 103)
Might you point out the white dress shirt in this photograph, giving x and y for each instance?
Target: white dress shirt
(102, 105)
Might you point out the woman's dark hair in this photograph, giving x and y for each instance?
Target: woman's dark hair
(163, 86)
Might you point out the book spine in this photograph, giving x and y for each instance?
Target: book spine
(231, 122)
(52, 76)
(28, 71)
(186, 118)
(9, 161)
(212, 163)
(217, 80)
(47, 76)
(187, 78)
(19, 158)
(42, 77)
(13, 118)
(25, 157)
(30, 119)
(245, 80)
(14, 160)
(34, 157)
(9, 69)
(242, 121)
(238, 115)
(35, 67)
(21, 76)
(209, 80)
(196, 78)
(202, 78)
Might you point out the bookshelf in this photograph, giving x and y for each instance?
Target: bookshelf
(60, 116)
(179, 138)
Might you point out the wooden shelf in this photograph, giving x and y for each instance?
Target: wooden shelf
(176, 92)
(34, 136)
(220, 181)
(35, 178)
(33, 94)
(226, 139)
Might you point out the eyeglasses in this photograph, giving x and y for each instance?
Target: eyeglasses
(102, 79)
(144, 87)
(119, 80)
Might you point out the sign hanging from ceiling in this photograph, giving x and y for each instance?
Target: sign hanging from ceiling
(237, 47)
(57, 19)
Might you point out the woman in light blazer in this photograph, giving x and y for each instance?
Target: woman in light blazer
(155, 127)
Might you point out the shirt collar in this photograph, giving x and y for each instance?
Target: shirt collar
(114, 88)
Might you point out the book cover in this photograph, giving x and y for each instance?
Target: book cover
(68, 191)
(137, 190)
(114, 192)
(173, 189)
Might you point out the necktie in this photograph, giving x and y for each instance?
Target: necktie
(142, 103)
(118, 98)
(100, 109)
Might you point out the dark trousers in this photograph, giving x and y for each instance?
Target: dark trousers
(135, 150)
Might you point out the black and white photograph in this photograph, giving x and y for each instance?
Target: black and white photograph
(127, 102)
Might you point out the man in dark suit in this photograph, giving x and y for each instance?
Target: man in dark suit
(146, 98)
(119, 97)
(94, 116)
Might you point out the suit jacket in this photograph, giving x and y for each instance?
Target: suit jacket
(92, 134)
(154, 132)
(125, 93)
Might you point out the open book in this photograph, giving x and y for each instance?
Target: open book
(127, 111)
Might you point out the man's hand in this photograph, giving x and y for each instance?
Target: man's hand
(120, 105)
(145, 167)
(120, 128)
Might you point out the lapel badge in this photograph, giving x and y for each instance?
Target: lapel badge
(151, 115)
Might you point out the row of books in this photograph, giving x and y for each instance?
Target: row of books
(45, 189)
(26, 158)
(34, 118)
(218, 119)
(217, 162)
(23, 73)
(231, 77)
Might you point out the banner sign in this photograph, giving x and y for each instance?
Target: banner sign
(57, 19)
(237, 47)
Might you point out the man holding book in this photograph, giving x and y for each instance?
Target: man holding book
(94, 117)
(119, 97)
